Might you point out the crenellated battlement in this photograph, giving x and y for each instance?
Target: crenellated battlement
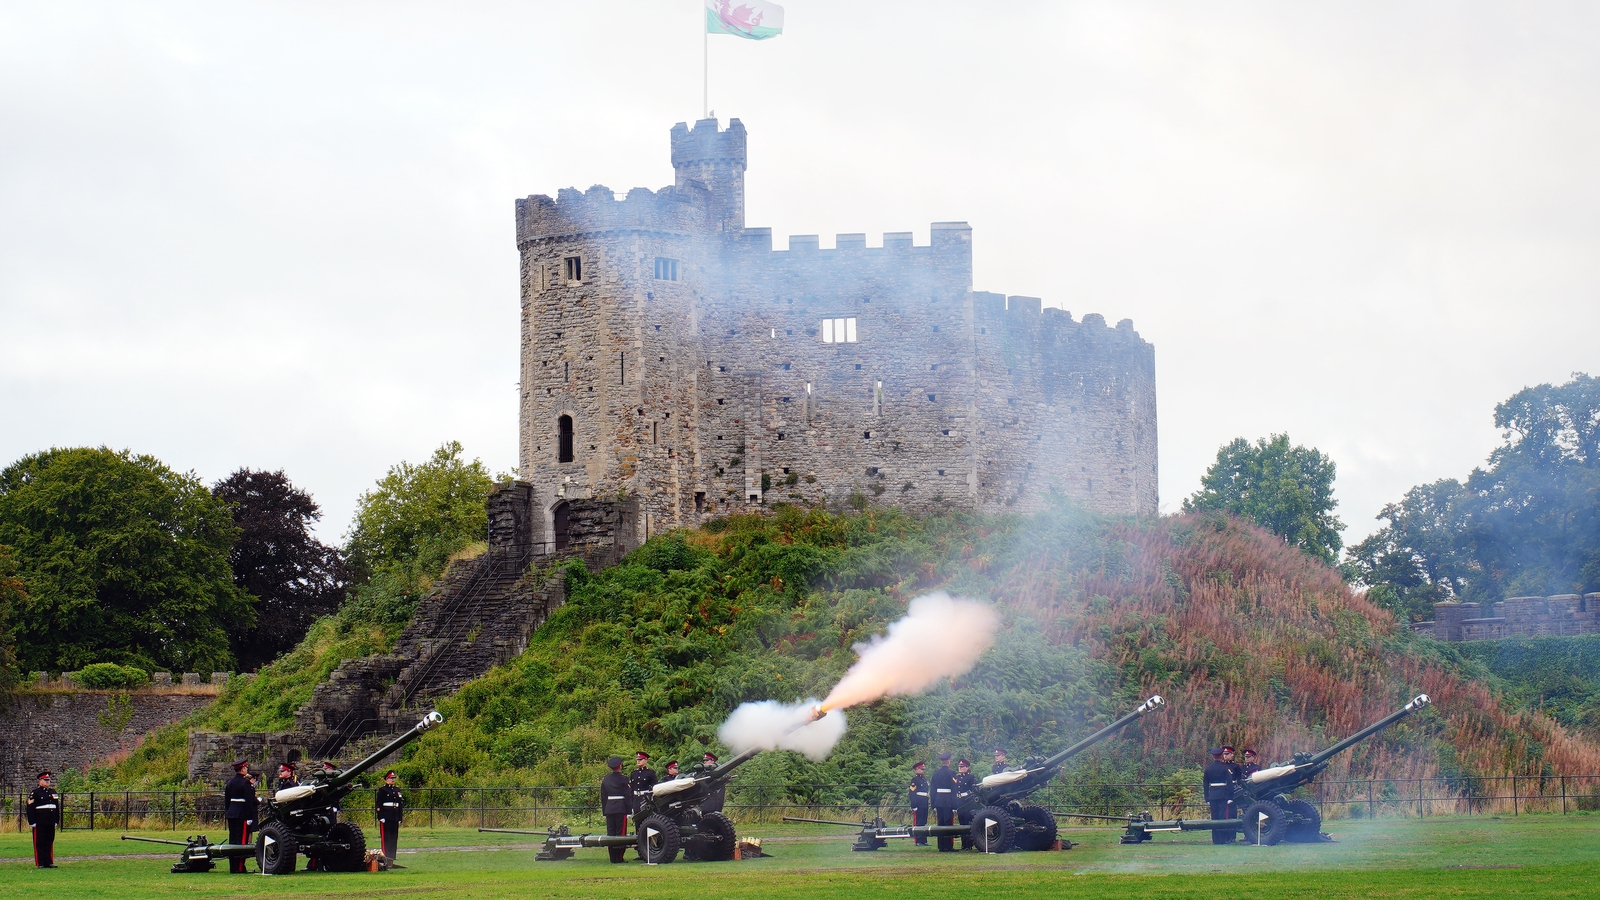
(705, 142)
(677, 209)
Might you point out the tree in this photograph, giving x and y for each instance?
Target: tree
(1286, 490)
(406, 530)
(122, 560)
(11, 596)
(1528, 523)
(294, 577)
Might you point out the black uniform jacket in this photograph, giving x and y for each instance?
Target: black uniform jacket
(44, 807)
(390, 805)
(238, 798)
(1219, 778)
(642, 780)
(966, 788)
(943, 781)
(918, 792)
(616, 795)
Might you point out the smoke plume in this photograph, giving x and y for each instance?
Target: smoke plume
(770, 725)
(939, 637)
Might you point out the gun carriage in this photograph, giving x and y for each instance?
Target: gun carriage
(1269, 814)
(1001, 819)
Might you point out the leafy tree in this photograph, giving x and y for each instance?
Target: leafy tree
(294, 577)
(1286, 490)
(1529, 523)
(11, 596)
(122, 560)
(406, 530)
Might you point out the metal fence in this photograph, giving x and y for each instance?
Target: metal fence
(578, 805)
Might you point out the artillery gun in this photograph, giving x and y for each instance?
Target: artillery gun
(1269, 814)
(1001, 821)
(305, 818)
(199, 854)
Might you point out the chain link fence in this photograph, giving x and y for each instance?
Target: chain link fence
(578, 805)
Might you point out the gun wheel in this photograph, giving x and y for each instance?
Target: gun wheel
(659, 840)
(714, 841)
(1264, 823)
(276, 849)
(1036, 828)
(1308, 828)
(351, 860)
(993, 830)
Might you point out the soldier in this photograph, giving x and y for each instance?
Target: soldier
(616, 802)
(918, 794)
(389, 807)
(999, 760)
(44, 816)
(1251, 765)
(717, 796)
(643, 777)
(238, 808)
(966, 789)
(286, 777)
(672, 772)
(943, 783)
(1219, 778)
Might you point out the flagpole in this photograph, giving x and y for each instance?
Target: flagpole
(705, 69)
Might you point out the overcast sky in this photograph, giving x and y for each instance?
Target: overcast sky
(280, 235)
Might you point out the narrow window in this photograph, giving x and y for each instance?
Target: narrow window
(666, 269)
(622, 368)
(850, 330)
(562, 526)
(699, 501)
(574, 268)
(654, 434)
(564, 439)
(827, 331)
(566, 371)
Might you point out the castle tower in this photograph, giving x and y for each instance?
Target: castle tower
(716, 160)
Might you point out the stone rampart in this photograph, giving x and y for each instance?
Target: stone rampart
(1554, 616)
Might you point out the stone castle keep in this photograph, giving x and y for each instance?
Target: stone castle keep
(672, 360)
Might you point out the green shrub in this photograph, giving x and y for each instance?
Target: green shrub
(102, 676)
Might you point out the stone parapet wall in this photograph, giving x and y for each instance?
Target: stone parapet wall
(1558, 615)
(63, 729)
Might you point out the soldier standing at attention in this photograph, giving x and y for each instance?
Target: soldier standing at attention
(616, 802)
(999, 760)
(966, 789)
(918, 794)
(672, 772)
(238, 805)
(1219, 777)
(389, 807)
(286, 777)
(1251, 765)
(944, 800)
(44, 815)
(643, 777)
(716, 797)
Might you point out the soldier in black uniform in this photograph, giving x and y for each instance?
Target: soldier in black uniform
(44, 816)
(1219, 778)
(389, 807)
(918, 794)
(943, 782)
(286, 777)
(643, 777)
(238, 808)
(966, 789)
(672, 772)
(1251, 765)
(717, 796)
(616, 802)
(999, 760)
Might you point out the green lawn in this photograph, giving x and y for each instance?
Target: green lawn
(1531, 856)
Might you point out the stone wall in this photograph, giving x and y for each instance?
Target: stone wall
(62, 728)
(691, 359)
(1553, 616)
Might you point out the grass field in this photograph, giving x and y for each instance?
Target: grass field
(1530, 856)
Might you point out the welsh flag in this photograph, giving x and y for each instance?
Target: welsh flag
(753, 19)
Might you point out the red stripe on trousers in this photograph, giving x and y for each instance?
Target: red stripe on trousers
(35, 845)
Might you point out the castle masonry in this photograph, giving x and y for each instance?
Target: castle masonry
(671, 358)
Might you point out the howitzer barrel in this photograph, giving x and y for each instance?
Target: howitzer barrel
(725, 769)
(350, 774)
(1416, 703)
(827, 822)
(129, 837)
(1155, 702)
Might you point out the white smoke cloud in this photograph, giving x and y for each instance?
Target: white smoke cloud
(770, 725)
(939, 637)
